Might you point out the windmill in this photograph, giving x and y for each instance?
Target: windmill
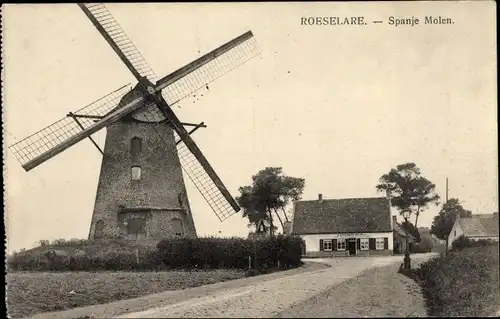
(141, 191)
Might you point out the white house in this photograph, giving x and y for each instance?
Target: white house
(481, 226)
(344, 227)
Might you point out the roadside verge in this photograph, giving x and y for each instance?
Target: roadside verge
(170, 297)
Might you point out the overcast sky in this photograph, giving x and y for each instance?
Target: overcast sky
(336, 105)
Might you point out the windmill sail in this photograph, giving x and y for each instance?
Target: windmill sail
(202, 175)
(208, 68)
(63, 134)
(210, 187)
(55, 138)
(109, 28)
(220, 204)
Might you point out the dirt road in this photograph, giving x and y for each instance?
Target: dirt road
(272, 298)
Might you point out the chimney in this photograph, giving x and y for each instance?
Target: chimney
(320, 197)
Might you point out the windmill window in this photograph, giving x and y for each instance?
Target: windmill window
(98, 230)
(177, 227)
(136, 173)
(135, 146)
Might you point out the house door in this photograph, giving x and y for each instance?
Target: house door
(351, 246)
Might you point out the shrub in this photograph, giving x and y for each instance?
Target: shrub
(58, 242)
(199, 253)
(426, 242)
(461, 283)
(462, 243)
(44, 243)
(419, 248)
(213, 253)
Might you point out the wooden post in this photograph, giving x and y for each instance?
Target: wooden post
(249, 262)
(137, 248)
(446, 248)
(255, 254)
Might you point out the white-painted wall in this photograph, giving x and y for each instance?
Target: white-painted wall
(456, 231)
(482, 238)
(312, 241)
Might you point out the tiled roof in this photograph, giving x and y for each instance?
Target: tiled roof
(342, 215)
(400, 230)
(480, 225)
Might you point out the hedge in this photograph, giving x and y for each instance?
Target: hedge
(461, 283)
(234, 253)
(419, 248)
(200, 253)
(462, 243)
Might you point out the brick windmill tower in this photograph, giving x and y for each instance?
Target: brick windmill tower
(141, 191)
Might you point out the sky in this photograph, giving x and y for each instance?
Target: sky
(336, 105)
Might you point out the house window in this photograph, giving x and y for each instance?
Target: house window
(327, 245)
(454, 233)
(136, 173)
(341, 245)
(380, 244)
(364, 244)
(135, 146)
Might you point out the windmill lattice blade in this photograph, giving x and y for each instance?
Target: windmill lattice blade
(49, 137)
(207, 69)
(202, 181)
(196, 173)
(118, 39)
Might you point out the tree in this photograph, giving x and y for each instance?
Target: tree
(443, 222)
(426, 242)
(270, 192)
(408, 189)
(44, 242)
(410, 228)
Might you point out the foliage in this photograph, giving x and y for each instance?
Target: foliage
(270, 191)
(443, 222)
(408, 189)
(31, 293)
(200, 253)
(60, 241)
(419, 248)
(426, 242)
(462, 243)
(44, 242)
(461, 284)
(217, 253)
(410, 228)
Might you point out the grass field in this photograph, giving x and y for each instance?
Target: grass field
(31, 293)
